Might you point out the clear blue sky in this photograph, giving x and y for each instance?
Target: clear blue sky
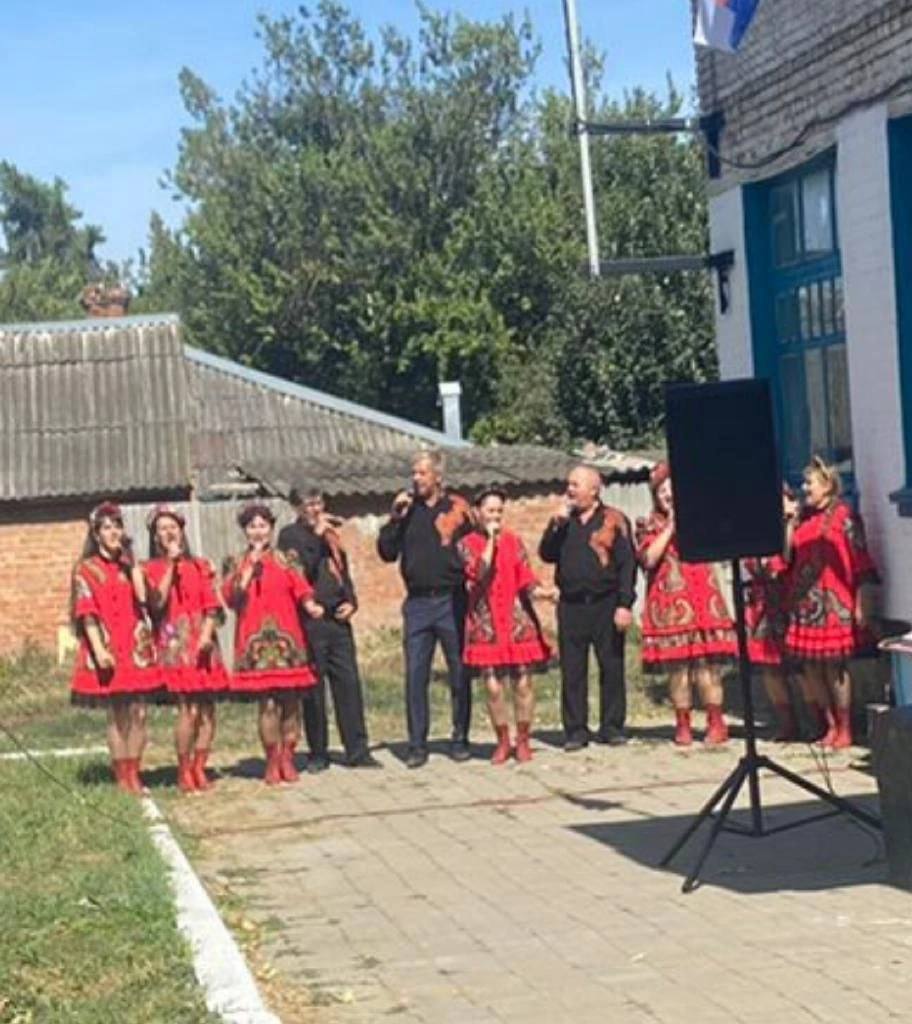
(90, 87)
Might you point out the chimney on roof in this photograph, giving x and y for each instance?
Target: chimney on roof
(104, 300)
(450, 395)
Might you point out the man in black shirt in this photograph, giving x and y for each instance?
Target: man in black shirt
(424, 527)
(315, 542)
(596, 572)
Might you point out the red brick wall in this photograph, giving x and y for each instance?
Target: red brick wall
(379, 585)
(36, 562)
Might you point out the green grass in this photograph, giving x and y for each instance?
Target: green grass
(34, 703)
(88, 933)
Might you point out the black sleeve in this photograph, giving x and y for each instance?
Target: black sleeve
(389, 542)
(348, 586)
(552, 541)
(625, 564)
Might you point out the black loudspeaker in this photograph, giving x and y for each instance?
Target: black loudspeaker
(724, 470)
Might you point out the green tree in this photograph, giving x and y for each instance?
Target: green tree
(46, 257)
(372, 216)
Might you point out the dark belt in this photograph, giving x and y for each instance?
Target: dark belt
(587, 598)
(431, 591)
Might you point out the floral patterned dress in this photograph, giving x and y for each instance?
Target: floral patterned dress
(271, 653)
(502, 629)
(103, 592)
(685, 618)
(191, 600)
(765, 612)
(830, 562)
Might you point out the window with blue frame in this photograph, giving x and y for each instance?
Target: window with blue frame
(797, 313)
(899, 136)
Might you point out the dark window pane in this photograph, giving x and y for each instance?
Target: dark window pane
(786, 317)
(794, 411)
(839, 305)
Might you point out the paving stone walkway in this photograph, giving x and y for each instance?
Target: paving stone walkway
(469, 894)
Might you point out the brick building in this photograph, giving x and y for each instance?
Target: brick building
(812, 192)
(121, 408)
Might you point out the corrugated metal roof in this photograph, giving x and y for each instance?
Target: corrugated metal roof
(92, 407)
(383, 473)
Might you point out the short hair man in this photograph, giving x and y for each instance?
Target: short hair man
(590, 544)
(422, 532)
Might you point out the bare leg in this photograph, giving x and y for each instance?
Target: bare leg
(139, 733)
(816, 695)
(205, 735)
(777, 691)
(269, 724)
(290, 709)
(497, 706)
(839, 684)
(682, 700)
(118, 731)
(524, 697)
(185, 728)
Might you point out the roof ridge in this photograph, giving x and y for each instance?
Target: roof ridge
(322, 398)
(93, 323)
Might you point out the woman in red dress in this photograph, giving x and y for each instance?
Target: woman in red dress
(186, 613)
(115, 663)
(272, 660)
(830, 564)
(766, 619)
(503, 637)
(686, 627)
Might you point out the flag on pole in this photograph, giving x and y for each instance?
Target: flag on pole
(722, 24)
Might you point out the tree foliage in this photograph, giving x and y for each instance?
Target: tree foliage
(46, 257)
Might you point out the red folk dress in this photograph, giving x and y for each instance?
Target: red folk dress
(502, 629)
(192, 598)
(765, 612)
(271, 653)
(830, 561)
(685, 618)
(103, 591)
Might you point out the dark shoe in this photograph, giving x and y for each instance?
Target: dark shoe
(459, 750)
(416, 759)
(613, 737)
(363, 760)
(317, 764)
(573, 745)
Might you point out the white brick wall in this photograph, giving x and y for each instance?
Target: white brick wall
(733, 331)
(802, 61)
(863, 214)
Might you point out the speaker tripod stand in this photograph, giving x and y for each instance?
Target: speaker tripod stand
(719, 805)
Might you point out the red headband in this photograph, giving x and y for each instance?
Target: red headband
(164, 510)
(106, 510)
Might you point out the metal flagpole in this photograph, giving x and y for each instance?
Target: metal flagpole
(579, 101)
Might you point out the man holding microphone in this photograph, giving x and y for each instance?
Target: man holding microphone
(590, 544)
(424, 527)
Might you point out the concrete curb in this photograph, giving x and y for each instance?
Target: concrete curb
(220, 967)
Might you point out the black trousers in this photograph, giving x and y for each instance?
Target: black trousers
(333, 645)
(428, 621)
(579, 627)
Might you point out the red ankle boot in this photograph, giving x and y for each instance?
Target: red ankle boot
(843, 737)
(119, 768)
(287, 763)
(787, 727)
(716, 727)
(523, 747)
(502, 752)
(186, 781)
(273, 775)
(683, 733)
(132, 777)
(199, 769)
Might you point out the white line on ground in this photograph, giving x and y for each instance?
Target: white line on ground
(18, 755)
(220, 967)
